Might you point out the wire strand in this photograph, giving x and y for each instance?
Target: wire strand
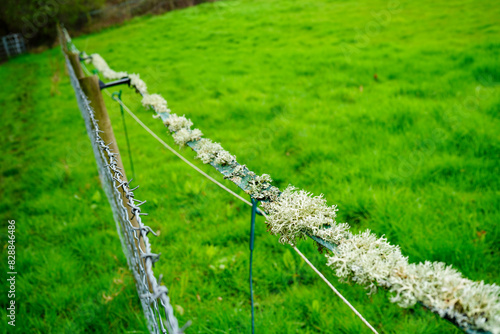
(334, 290)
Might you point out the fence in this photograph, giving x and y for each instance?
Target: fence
(126, 208)
(12, 45)
(295, 214)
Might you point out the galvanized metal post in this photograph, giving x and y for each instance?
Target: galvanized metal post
(18, 45)
(6, 46)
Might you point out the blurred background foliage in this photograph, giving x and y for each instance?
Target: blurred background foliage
(36, 19)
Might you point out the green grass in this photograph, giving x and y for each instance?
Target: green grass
(413, 155)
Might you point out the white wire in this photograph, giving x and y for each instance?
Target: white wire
(334, 290)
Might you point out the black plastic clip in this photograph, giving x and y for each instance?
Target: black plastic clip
(82, 58)
(123, 81)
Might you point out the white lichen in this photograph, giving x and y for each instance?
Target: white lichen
(135, 80)
(237, 174)
(238, 171)
(156, 101)
(138, 84)
(295, 213)
(175, 123)
(371, 261)
(101, 65)
(183, 136)
(268, 194)
(258, 184)
(445, 291)
(481, 302)
(224, 158)
(366, 259)
(208, 151)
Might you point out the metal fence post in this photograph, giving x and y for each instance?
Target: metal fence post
(6, 46)
(18, 45)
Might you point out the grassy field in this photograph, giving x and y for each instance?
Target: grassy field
(390, 109)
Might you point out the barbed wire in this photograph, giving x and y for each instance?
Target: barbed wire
(154, 297)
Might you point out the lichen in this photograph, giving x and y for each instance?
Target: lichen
(156, 101)
(101, 65)
(224, 158)
(240, 171)
(138, 84)
(135, 80)
(183, 136)
(175, 123)
(372, 262)
(258, 184)
(366, 259)
(295, 213)
(208, 151)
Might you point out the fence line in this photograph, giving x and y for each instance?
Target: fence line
(326, 244)
(154, 296)
(251, 176)
(476, 322)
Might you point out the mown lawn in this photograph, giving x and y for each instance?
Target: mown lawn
(396, 122)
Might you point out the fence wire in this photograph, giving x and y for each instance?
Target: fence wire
(154, 296)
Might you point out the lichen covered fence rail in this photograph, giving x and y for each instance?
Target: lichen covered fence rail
(364, 258)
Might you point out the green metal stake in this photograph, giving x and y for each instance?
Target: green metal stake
(118, 96)
(252, 244)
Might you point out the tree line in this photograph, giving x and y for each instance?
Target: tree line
(36, 19)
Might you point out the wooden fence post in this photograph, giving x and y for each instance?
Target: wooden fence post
(74, 59)
(90, 86)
